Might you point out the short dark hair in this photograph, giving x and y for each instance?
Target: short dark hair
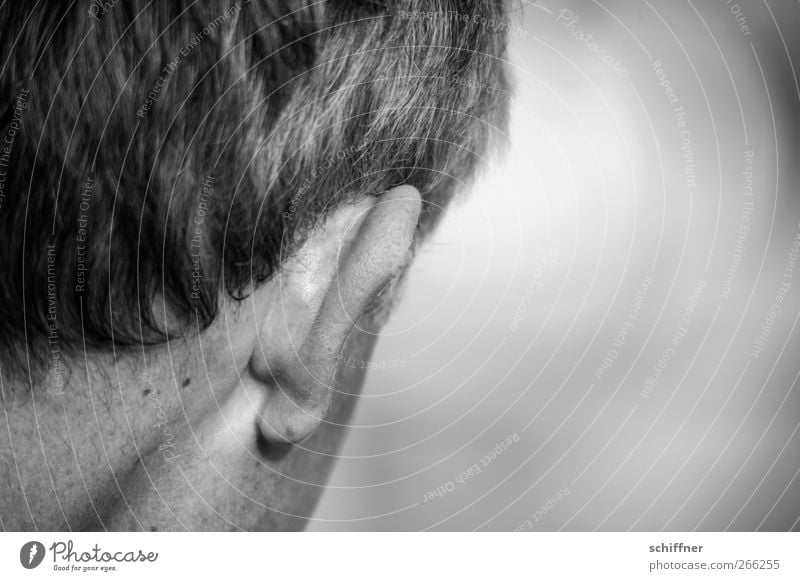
(182, 149)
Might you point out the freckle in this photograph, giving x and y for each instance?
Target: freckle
(147, 392)
(153, 529)
(186, 382)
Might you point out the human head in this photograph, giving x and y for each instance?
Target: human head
(202, 205)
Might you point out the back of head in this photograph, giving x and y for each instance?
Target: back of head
(167, 153)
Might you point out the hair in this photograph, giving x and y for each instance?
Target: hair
(179, 151)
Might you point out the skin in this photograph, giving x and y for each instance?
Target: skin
(234, 428)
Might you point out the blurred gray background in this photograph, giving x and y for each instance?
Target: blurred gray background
(602, 334)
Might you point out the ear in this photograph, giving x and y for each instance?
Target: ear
(316, 299)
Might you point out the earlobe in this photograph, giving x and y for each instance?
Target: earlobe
(314, 303)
